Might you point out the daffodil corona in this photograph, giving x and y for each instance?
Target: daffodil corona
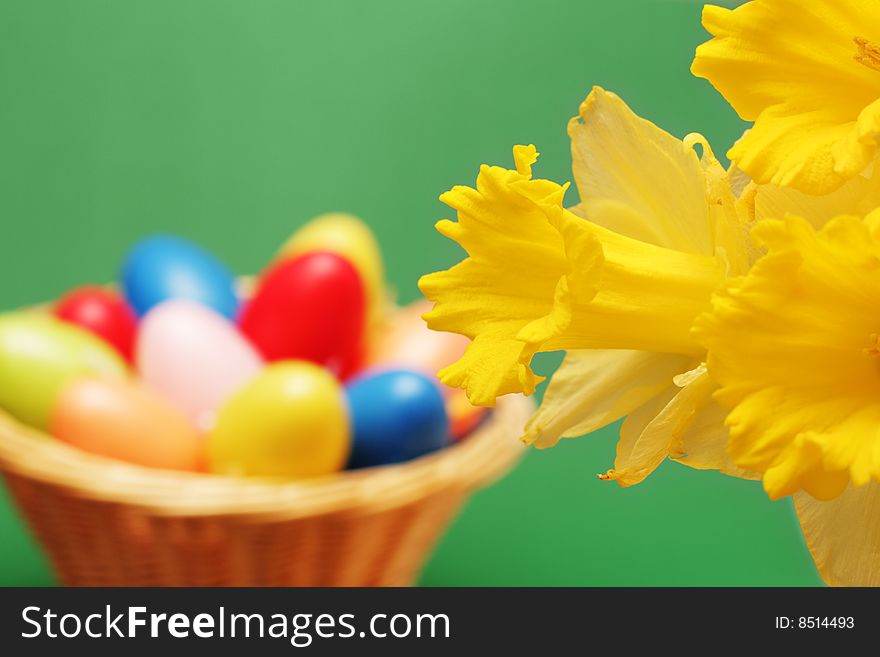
(796, 340)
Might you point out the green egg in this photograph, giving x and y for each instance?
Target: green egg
(39, 354)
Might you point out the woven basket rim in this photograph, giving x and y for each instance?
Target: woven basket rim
(475, 461)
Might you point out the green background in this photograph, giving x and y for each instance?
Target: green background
(234, 122)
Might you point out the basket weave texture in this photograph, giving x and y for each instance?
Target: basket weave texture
(107, 523)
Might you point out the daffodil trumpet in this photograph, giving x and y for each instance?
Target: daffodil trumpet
(796, 340)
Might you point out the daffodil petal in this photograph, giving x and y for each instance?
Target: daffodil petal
(670, 419)
(703, 442)
(858, 196)
(843, 535)
(729, 223)
(593, 388)
(739, 179)
(792, 148)
(640, 452)
(664, 202)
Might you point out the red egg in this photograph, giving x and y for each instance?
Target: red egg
(103, 312)
(311, 307)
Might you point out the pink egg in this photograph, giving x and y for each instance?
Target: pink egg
(194, 357)
(407, 342)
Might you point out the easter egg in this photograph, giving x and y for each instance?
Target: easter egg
(194, 357)
(39, 354)
(125, 421)
(351, 238)
(308, 308)
(166, 267)
(396, 415)
(288, 421)
(103, 312)
(407, 342)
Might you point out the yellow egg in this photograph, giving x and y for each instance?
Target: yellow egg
(349, 237)
(289, 421)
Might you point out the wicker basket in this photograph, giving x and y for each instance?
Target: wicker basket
(108, 523)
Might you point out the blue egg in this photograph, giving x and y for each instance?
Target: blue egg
(396, 415)
(165, 267)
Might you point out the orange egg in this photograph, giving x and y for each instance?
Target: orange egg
(125, 421)
(408, 343)
(464, 417)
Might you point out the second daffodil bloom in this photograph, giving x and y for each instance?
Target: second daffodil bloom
(808, 75)
(617, 281)
(794, 346)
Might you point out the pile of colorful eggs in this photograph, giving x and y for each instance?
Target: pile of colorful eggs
(302, 372)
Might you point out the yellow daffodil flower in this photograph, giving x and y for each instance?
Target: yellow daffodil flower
(617, 281)
(808, 75)
(794, 348)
